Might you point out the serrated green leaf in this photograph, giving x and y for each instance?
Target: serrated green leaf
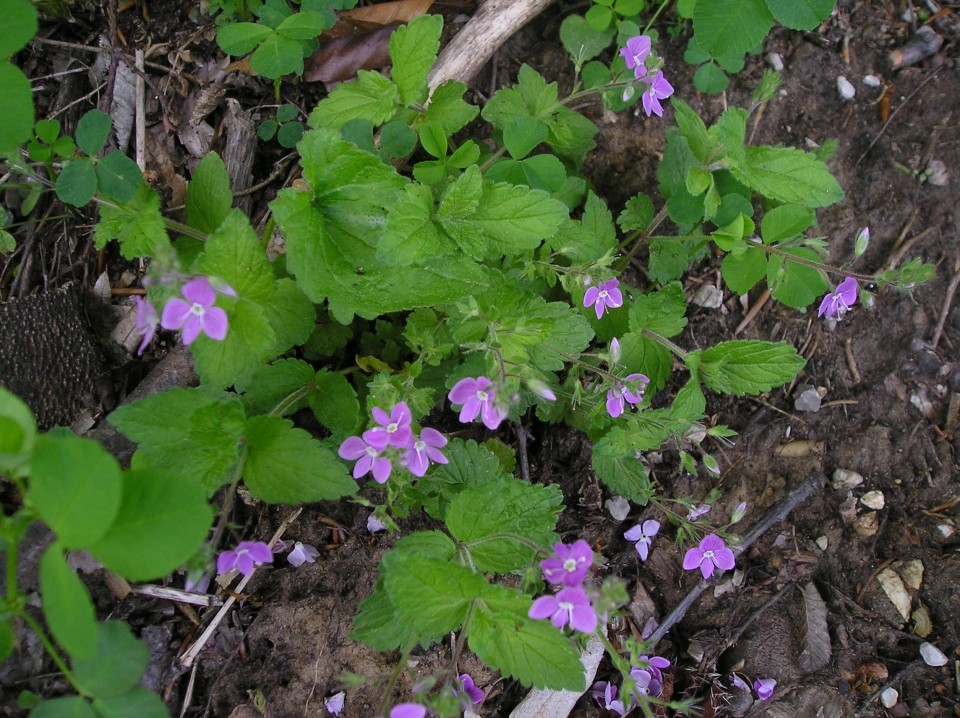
(792, 283)
(66, 604)
(250, 342)
(233, 253)
(724, 27)
(92, 131)
(516, 218)
(668, 260)
(74, 487)
(411, 235)
(522, 134)
(239, 38)
(16, 122)
(302, 25)
(544, 171)
(208, 195)
(693, 129)
(397, 139)
(533, 652)
(598, 221)
(469, 464)
(785, 222)
(371, 97)
(742, 271)
(118, 177)
(788, 175)
(448, 108)
(116, 665)
(510, 506)
(677, 160)
(187, 432)
(571, 135)
(642, 354)
(278, 56)
(138, 702)
(137, 224)
(621, 471)
(162, 521)
(66, 707)
(729, 133)
(748, 367)
(272, 384)
(291, 315)
(660, 311)
(335, 404)
(801, 14)
(77, 182)
(287, 465)
(376, 625)
(413, 50)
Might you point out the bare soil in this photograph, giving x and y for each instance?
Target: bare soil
(885, 415)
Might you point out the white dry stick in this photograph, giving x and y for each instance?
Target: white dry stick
(141, 125)
(487, 30)
(190, 655)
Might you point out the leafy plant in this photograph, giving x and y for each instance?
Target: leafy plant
(285, 127)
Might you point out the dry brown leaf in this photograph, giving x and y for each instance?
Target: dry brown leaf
(372, 16)
(339, 59)
(816, 640)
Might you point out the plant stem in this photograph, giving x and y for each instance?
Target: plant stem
(641, 236)
(771, 249)
(392, 681)
(290, 399)
(653, 17)
(663, 341)
(52, 650)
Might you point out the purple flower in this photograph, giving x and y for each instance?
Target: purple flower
(605, 694)
(764, 688)
(468, 690)
(244, 557)
(334, 704)
(654, 665)
(614, 350)
(739, 512)
(570, 564)
(604, 295)
(408, 710)
(697, 511)
(621, 394)
(541, 389)
(302, 553)
(423, 450)
(645, 683)
(146, 322)
(635, 54)
(643, 535)
(394, 429)
(195, 313)
(367, 457)
(712, 552)
(738, 683)
(374, 524)
(659, 89)
(839, 301)
(570, 605)
(478, 397)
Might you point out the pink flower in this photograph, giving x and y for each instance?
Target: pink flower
(645, 683)
(605, 694)
(643, 535)
(659, 89)
(374, 524)
(302, 553)
(477, 397)
(570, 605)
(408, 710)
(839, 301)
(621, 394)
(604, 296)
(146, 322)
(423, 450)
(244, 557)
(393, 430)
(334, 704)
(569, 565)
(468, 691)
(712, 552)
(367, 457)
(764, 688)
(697, 511)
(635, 54)
(195, 313)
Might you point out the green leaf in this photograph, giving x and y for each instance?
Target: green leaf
(742, 271)
(67, 707)
(19, 26)
(239, 38)
(411, 235)
(428, 594)
(533, 652)
(208, 195)
(660, 311)
(710, 79)
(302, 26)
(249, 343)
(291, 315)
(137, 224)
(748, 367)
(265, 132)
(801, 14)
(290, 134)
(448, 109)
(599, 18)
(16, 122)
(685, 8)
(788, 175)
(74, 487)
(510, 506)
(335, 404)
(785, 222)
(582, 41)
(233, 254)
(118, 176)
(287, 465)
(187, 432)
(522, 134)
(413, 50)
(92, 131)
(397, 139)
(620, 470)
(644, 355)
(272, 384)
(138, 702)
(117, 664)
(724, 27)
(371, 97)
(278, 56)
(162, 522)
(544, 172)
(794, 284)
(516, 218)
(637, 214)
(77, 182)
(693, 129)
(18, 431)
(66, 605)
(375, 624)
(668, 260)
(8, 640)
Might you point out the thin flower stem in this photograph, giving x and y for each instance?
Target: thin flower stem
(12, 595)
(51, 649)
(663, 341)
(653, 17)
(394, 677)
(638, 237)
(511, 537)
(290, 399)
(771, 249)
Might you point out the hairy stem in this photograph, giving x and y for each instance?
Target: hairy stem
(52, 650)
(663, 341)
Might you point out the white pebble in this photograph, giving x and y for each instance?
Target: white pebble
(823, 542)
(932, 655)
(618, 507)
(846, 479)
(946, 530)
(889, 697)
(775, 61)
(873, 499)
(847, 90)
(871, 81)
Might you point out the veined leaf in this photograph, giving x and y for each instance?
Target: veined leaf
(748, 367)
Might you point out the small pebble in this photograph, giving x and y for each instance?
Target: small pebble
(946, 530)
(708, 297)
(937, 174)
(775, 61)
(822, 542)
(932, 655)
(618, 507)
(808, 399)
(873, 499)
(889, 697)
(871, 81)
(846, 89)
(846, 479)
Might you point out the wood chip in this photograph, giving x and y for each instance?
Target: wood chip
(892, 585)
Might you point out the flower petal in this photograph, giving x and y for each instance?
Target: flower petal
(462, 391)
(692, 559)
(175, 313)
(199, 290)
(214, 322)
(191, 329)
(543, 607)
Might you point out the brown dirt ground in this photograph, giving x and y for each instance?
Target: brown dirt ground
(288, 642)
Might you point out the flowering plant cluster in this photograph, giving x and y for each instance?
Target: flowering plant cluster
(571, 605)
(194, 313)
